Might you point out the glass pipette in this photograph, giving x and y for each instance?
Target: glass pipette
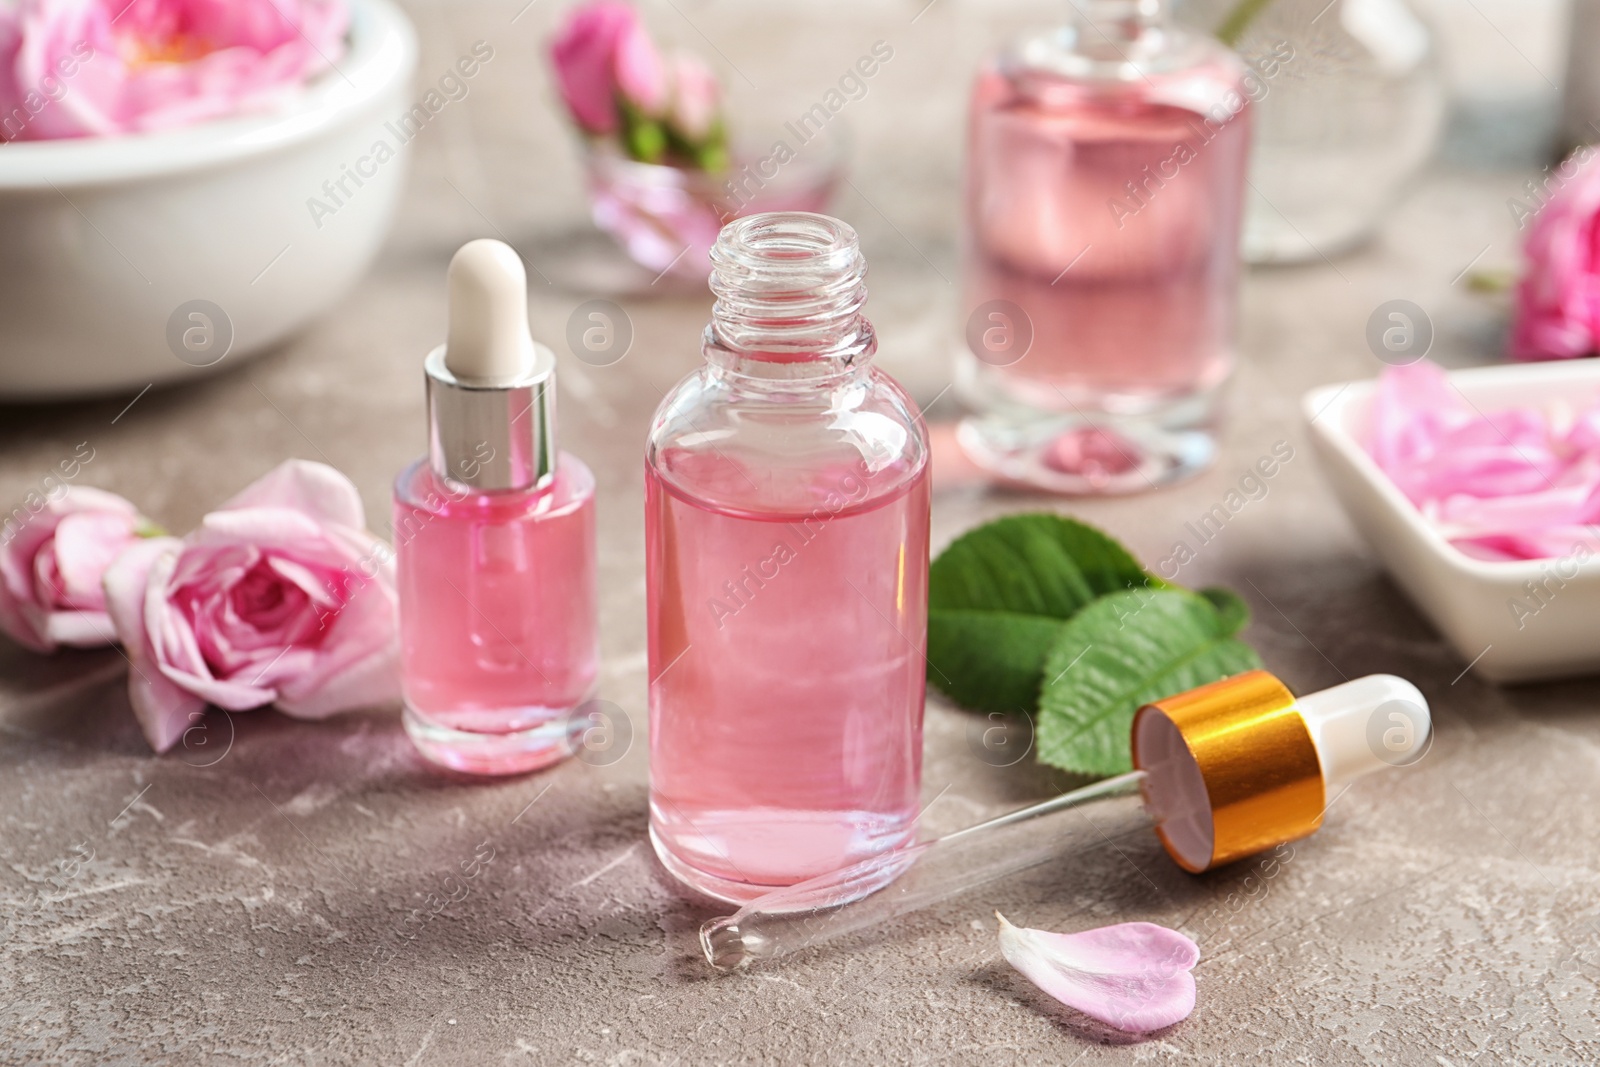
(878, 889)
(1223, 771)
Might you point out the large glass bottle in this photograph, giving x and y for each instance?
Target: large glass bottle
(786, 526)
(1105, 174)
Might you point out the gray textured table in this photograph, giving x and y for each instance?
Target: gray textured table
(1444, 916)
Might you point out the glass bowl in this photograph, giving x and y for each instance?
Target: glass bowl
(667, 217)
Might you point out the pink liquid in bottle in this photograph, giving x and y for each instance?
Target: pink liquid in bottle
(787, 504)
(1128, 298)
(796, 682)
(498, 623)
(1103, 217)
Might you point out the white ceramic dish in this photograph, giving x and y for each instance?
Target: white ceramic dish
(103, 240)
(1472, 602)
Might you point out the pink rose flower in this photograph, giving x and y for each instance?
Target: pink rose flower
(1558, 299)
(280, 597)
(52, 559)
(696, 97)
(75, 68)
(602, 53)
(641, 72)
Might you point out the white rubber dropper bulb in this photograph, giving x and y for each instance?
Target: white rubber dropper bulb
(1365, 725)
(489, 339)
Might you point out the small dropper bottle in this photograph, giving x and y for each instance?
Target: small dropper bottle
(1221, 772)
(494, 535)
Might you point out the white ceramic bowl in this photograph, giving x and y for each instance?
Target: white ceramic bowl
(103, 240)
(1473, 602)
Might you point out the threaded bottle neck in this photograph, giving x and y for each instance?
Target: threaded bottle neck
(1120, 19)
(790, 286)
(1112, 41)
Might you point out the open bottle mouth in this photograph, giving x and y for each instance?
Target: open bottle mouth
(790, 286)
(1103, 41)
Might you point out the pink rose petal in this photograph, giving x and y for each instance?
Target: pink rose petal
(315, 490)
(1499, 483)
(1131, 976)
(164, 710)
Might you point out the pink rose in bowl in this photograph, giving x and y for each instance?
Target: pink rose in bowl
(93, 68)
(52, 559)
(280, 597)
(601, 55)
(696, 97)
(640, 71)
(1558, 298)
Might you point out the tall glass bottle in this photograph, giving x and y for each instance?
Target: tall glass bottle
(1105, 175)
(786, 526)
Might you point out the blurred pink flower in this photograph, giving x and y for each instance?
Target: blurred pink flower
(1558, 298)
(51, 562)
(74, 68)
(696, 97)
(280, 597)
(641, 72)
(602, 52)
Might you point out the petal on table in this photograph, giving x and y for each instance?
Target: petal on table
(1131, 976)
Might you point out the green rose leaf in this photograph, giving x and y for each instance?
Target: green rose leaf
(989, 660)
(643, 137)
(1125, 650)
(1230, 606)
(999, 594)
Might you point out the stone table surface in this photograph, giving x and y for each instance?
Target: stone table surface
(222, 903)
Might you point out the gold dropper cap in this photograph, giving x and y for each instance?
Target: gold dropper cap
(1233, 769)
